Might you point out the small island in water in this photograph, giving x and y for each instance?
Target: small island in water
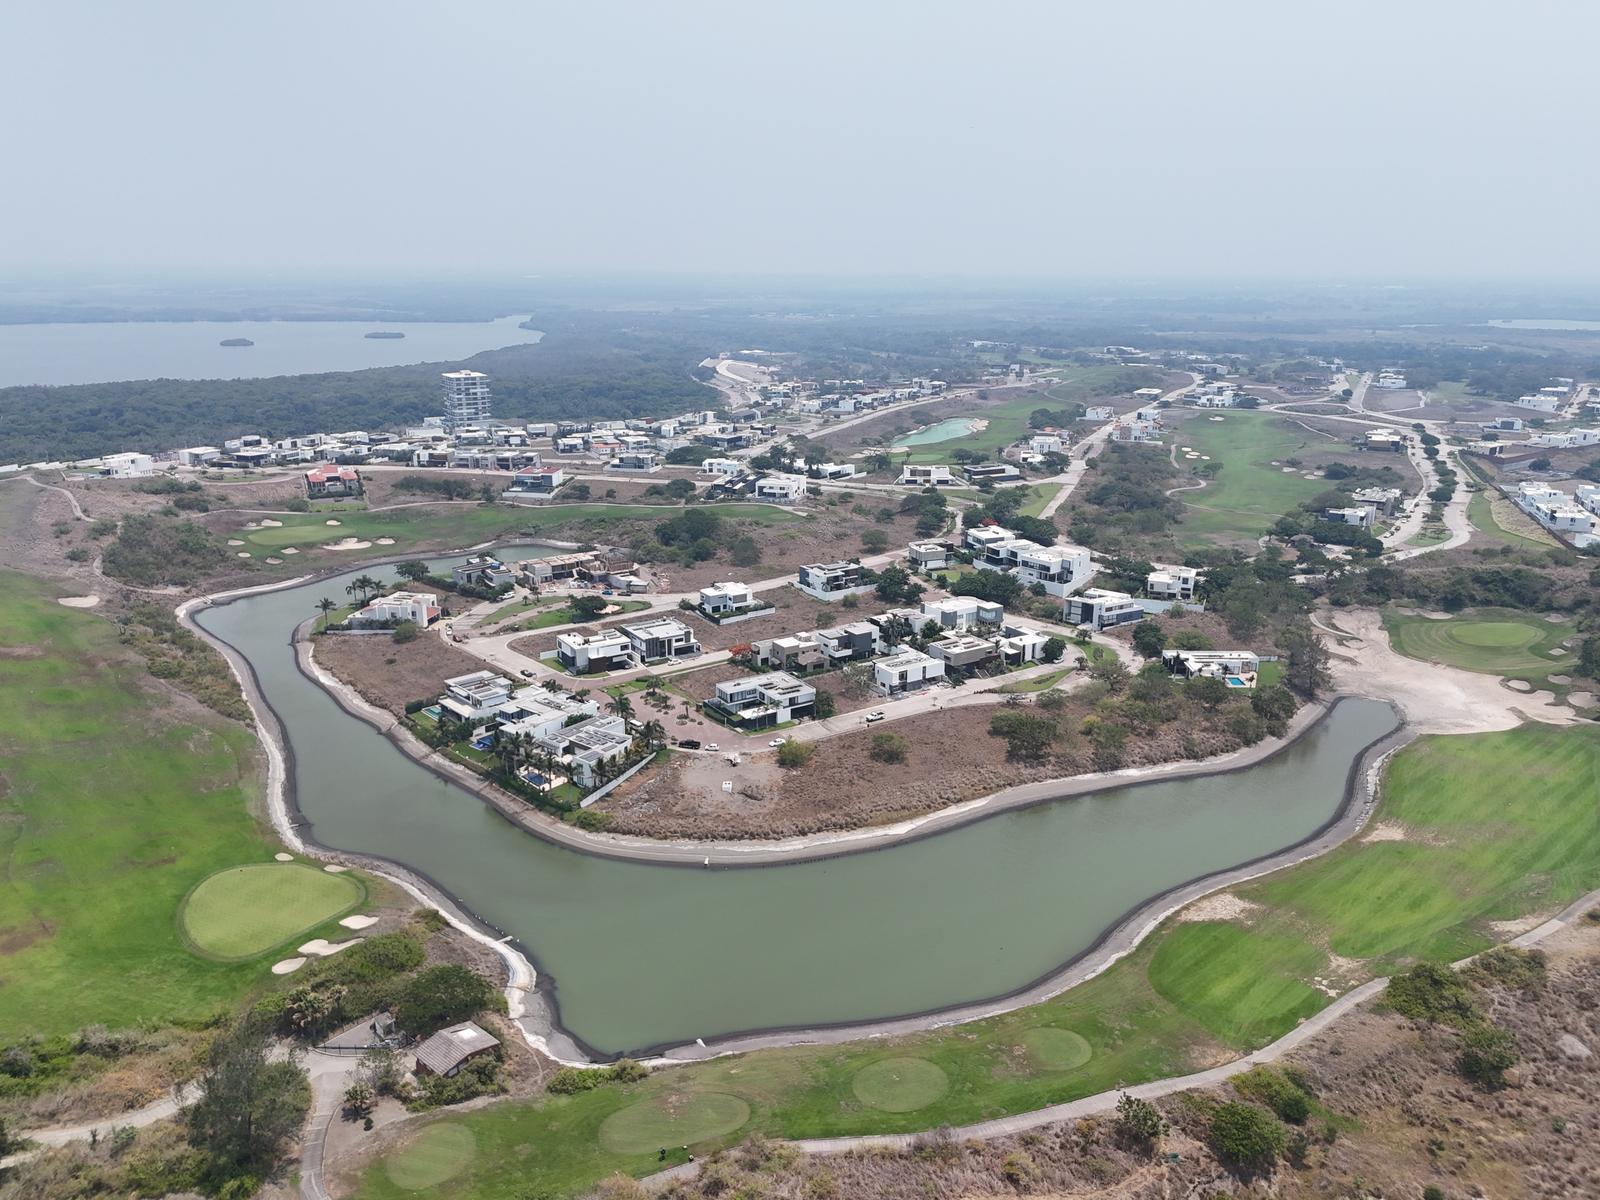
(385, 333)
(236, 342)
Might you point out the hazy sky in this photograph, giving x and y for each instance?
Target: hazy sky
(1441, 138)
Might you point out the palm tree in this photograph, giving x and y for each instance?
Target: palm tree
(621, 706)
(325, 606)
(655, 735)
(368, 584)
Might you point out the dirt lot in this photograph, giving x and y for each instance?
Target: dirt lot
(1209, 624)
(949, 757)
(388, 675)
(1392, 1116)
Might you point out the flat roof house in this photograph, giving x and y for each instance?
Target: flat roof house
(926, 475)
(538, 712)
(964, 613)
(1171, 582)
(474, 697)
(963, 651)
(659, 640)
(585, 746)
(848, 643)
(421, 607)
(483, 570)
(447, 1051)
(1384, 439)
(725, 599)
(1359, 515)
(928, 556)
(905, 670)
(761, 701)
(1383, 499)
(1100, 608)
(721, 466)
(829, 581)
(784, 489)
(1240, 665)
(802, 652)
(537, 481)
(994, 472)
(586, 653)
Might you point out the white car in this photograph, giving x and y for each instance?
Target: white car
(712, 746)
(875, 716)
(776, 742)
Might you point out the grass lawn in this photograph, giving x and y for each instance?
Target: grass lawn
(244, 911)
(1008, 421)
(1495, 641)
(438, 1154)
(462, 524)
(1039, 494)
(1038, 683)
(1249, 494)
(111, 810)
(565, 615)
(1496, 827)
(1481, 513)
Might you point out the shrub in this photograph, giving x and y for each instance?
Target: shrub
(888, 747)
(794, 754)
(1246, 1136)
(1139, 1119)
(1486, 1054)
(1028, 738)
(404, 632)
(1279, 1093)
(1523, 970)
(1432, 992)
(441, 996)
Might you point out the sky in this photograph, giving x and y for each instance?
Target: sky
(1234, 138)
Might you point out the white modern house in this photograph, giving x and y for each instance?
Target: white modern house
(660, 640)
(586, 653)
(1171, 582)
(721, 466)
(1359, 515)
(537, 712)
(475, 697)
(1100, 608)
(1238, 668)
(905, 670)
(420, 607)
(537, 481)
(1060, 570)
(727, 599)
(761, 701)
(1046, 443)
(928, 556)
(830, 581)
(1099, 412)
(781, 489)
(964, 613)
(198, 456)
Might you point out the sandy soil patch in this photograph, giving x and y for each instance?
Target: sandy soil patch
(358, 921)
(282, 857)
(1506, 930)
(322, 947)
(1386, 831)
(1433, 698)
(349, 543)
(288, 966)
(419, 668)
(79, 601)
(1224, 906)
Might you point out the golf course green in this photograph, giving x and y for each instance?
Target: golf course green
(244, 911)
(1504, 642)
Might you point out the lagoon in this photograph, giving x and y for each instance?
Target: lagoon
(944, 431)
(644, 955)
(112, 351)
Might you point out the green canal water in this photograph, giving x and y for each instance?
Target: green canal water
(643, 955)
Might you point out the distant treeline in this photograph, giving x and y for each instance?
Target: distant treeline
(568, 375)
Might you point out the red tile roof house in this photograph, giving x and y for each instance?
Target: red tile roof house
(333, 481)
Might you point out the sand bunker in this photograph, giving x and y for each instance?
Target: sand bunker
(79, 601)
(385, 541)
(282, 857)
(330, 521)
(244, 554)
(322, 947)
(288, 965)
(1519, 685)
(1562, 679)
(235, 542)
(269, 523)
(358, 921)
(349, 543)
(272, 562)
(1224, 906)
(1580, 699)
(290, 550)
(335, 869)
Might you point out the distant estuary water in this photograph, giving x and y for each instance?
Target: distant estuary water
(643, 955)
(106, 352)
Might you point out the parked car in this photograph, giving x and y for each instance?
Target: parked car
(689, 744)
(875, 716)
(712, 746)
(525, 673)
(776, 742)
